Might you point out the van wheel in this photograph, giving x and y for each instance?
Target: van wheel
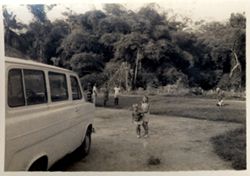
(84, 148)
(87, 144)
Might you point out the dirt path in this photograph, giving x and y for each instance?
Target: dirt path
(179, 144)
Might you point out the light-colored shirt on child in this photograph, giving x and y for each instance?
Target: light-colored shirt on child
(145, 107)
(117, 92)
(145, 110)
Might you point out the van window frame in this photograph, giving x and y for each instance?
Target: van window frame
(78, 85)
(44, 82)
(50, 87)
(24, 86)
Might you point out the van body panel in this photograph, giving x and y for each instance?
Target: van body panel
(51, 129)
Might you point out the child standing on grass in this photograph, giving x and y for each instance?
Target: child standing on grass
(220, 97)
(116, 94)
(145, 109)
(94, 94)
(137, 119)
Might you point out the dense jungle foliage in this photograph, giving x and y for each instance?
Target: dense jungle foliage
(155, 48)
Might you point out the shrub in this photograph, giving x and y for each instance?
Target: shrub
(93, 78)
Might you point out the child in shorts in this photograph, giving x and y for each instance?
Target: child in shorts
(145, 109)
(137, 119)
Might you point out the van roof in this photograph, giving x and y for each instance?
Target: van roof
(33, 63)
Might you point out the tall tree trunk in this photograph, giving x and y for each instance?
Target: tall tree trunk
(136, 68)
(137, 63)
(237, 65)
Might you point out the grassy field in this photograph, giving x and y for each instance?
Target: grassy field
(230, 146)
(191, 107)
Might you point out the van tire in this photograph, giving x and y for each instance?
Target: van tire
(87, 144)
(84, 148)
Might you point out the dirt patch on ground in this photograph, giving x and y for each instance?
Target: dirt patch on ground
(174, 144)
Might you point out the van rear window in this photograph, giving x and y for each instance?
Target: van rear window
(35, 87)
(15, 88)
(58, 87)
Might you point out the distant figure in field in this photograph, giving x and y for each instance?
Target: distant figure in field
(105, 94)
(116, 94)
(89, 93)
(137, 119)
(220, 96)
(145, 109)
(94, 94)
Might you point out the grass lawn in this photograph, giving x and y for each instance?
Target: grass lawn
(191, 107)
(230, 146)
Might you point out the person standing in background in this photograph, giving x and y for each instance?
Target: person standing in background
(220, 97)
(137, 119)
(94, 94)
(116, 95)
(145, 109)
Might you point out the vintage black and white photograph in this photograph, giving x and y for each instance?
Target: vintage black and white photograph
(136, 86)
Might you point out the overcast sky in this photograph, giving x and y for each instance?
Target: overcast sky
(209, 10)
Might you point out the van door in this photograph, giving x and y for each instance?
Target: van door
(62, 111)
(82, 109)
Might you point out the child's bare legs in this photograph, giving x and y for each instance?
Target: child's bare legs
(116, 101)
(145, 126)
(138, 130)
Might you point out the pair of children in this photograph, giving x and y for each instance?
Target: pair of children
(140, 117)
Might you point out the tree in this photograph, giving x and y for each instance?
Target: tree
(59, 30)
(226, 44)
(37, 33)
(86, 63)
(36, 37)
(115, 9)
(77, 42)
(12, 33)
(238, 45)
(130, 49)
(150, 12)
(108, 40)
(152, 44)
(38, 12)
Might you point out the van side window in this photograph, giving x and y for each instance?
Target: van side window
(35, 87)
(76, 91)
(58, 87)
(15, 88)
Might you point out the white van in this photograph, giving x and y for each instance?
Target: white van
(47, 116)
